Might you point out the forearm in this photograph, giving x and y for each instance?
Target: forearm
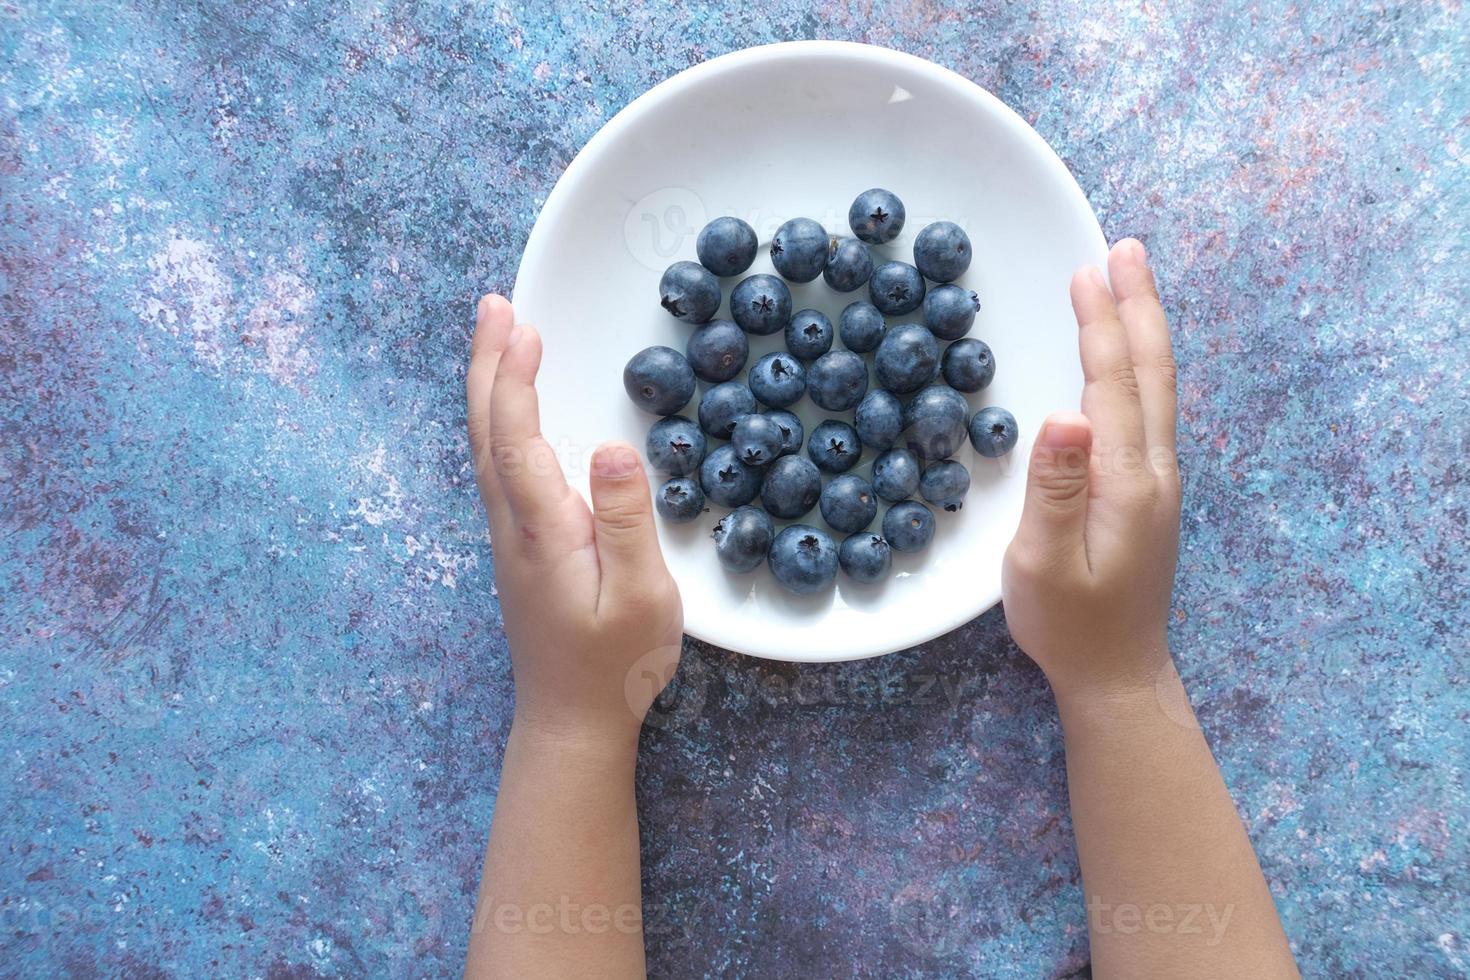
(560, 894)
(1172, 883)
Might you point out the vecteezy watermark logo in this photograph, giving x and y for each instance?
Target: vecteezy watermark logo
(672, 695)
(931, 918)
(660, 226)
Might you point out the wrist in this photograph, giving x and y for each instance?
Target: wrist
(601, 744)
(1127, 704)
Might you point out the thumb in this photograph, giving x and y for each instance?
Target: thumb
(1054, 516)
(622, 516)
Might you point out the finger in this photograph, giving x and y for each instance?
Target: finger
(494, 320)
(526, 469)
(1054, 515)
(622, 518)
(1148, 340)
(1110, 395)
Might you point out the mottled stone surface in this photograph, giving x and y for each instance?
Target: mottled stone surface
(254, 688)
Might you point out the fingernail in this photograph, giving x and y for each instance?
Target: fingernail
(614, 462)
(1066, 433)
(1139, 253)
(1095, 274)
(515, 336)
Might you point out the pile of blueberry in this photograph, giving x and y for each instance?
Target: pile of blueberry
(911, 422)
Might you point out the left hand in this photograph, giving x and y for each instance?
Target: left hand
(593, 617)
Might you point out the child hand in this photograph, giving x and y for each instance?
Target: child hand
(591, 612)
(1087, 580)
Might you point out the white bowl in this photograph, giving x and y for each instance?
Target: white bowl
(790, 130)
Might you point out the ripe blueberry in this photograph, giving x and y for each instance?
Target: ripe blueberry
(949, 311)
(907, 359)
(726, 246)
(993, 432)
(675, 446)
(865, 557)
(761, 304)
(848, 503)
(896, 288)
(879, 419)
(743, 538)
(968, 365)
(717, 351)
(799, 250)
(849, 264)
(837, 380)
(727, 481)
(724, 405)
(835, 446)
(809, 334)
(942, 251)
(944, 484)
(791, 488)
(896, 475)
(792, 433)
(689, 291)
(659, 380)
(778, 380)
(680, 500)
(876, 216)
(908, 526)
(934, 422)
(757, 440)
(860, 327)
(803, 559)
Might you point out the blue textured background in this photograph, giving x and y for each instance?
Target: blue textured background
(254, 688)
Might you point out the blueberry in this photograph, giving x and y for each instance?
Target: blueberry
(849, 504)
(659, 380)
(908, 526)
(942, 251)
(944, 484)
(907, 359)
(717, 351)
(860, 327)
(757, 440)
(865, 557)
(778, 380)
(724, 405)
(809, 334)
(743, 538)
(799, 250)
(835, 446)
(689, 291)
(792, 487)
(876, 216)
(968, 365)
(896, 475)
(726, 246)
(792, 433)
(849, 264)
(761, 304)
(803, 559)
(680, 500)
(675, 446)
(934, 422)
(879, 419)
(837, 380)
(949, 311)
(993, 432)
(896, 288)
(727, 481)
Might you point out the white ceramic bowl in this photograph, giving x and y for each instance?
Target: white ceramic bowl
(790, 130)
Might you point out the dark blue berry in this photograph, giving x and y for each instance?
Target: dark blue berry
(717, 351)
(792, 432)
(865, 557)
(689, 291)
(675, 446)
(761, 304)
(791, 487)
(726, 246)
(849, 504)
(860, 327)
(907, 359)
(659, 380)
(834, 446)
(879, 419)
(942, 251)
(896, 288)
(949, 311)
(896, 475)
(934, 422)
(944, 484)
(837, 380)
(680, 500)
(804, 559)
(724, 405)
(757, 440)
(727, 481)
(809, 334)
(876, 216)
(993, 432)
(849, 264)
(908, 526)
(799, 250)
(778, 380)
(968, 365)
(743, 538)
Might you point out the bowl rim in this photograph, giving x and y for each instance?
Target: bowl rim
(870, 54)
